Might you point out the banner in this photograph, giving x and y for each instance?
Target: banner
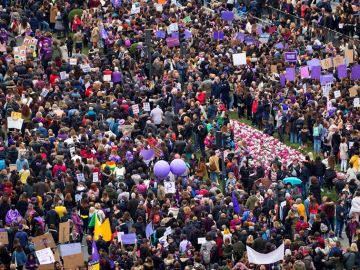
(260, 258)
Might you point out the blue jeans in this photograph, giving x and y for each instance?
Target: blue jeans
(339, 227)
(317, 146)
(44, 26)
(293, 137)
(213, 176)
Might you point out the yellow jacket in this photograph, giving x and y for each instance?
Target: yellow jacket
(354, 160)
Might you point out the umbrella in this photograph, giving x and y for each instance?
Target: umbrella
(292, 181)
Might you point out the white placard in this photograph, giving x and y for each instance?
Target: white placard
(169, 187)
(80, 177)
(356, 102)
(135, 109)
(337, 94)
(45, 256)
(11, 123)
(73, 61)
(107, 78)
(135, 8)
(351, 144)
(201, 240)
(63, 75)
(168, 231)
(239, 59)
(44, 92)
(173, 28)
(159, 7)
(174, 211)
(85, 68)
(146, 106)
(72, 151)
(95, 177)
(326, 90)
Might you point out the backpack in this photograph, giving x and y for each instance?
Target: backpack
(316, 131)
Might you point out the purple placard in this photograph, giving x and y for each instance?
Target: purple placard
(160, 34)
(290, 56)
(240, 36)
(341, 71)
(175, 34)
(219, 35)
(227, 15)
(259, 29)
(327, 78)
(315, 72)
(187, 34)
(282, 80)
(249, 40)
(290, 74)
(355, 72)
(172, 42)
(279, 46)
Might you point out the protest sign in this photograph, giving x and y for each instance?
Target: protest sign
(168, 231)
(337, 94)
(304, 72)
(64, 232)
(201, 240)
(269, 258)
(159, 7)
(273, 69)
(146, 106)
(315, 72)
(227, 15)
(349, 55)
(264, 38)
(95, 177)
(326, 63)
(44, 92)
(353, 91)
(94, 265)
(16, 115)
(135, 109)
(239, 59)
(338, 60)
(4, 238)
(160, 34)
(172, 42)
(355, 72)
(169, 187)
(341, 71)
(174, 211)
(45, 256)
(282, 80)
(218, 35)
(73, 261)
(356, 102)
(290, 56)
(135, 8)
(187, 19)
(128, 239)
(70, 249)
(290, 74)
(326, 78)
(80, 177)
(107, 78)
(12, 123)
(73, 61)
(43, 241)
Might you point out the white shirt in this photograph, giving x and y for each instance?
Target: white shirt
(156, 115)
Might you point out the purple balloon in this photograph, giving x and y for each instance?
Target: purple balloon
(178, 166)
(147, 154)
(161, 169)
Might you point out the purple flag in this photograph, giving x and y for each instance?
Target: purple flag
(235, 202)
(290, 56)
(282, 80)
(219, 35)
(240, 36)
(227, 15)
(12, 216)
(315, 72)
(355, 72)
(327, 78)
(290, 74)
(160, 34)
(149, 230)
(95, 256)
(341, 71)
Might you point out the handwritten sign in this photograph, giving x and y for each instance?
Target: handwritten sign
(80, 177)
(96, 177)
(349, 55)
(169, 187)
(146, 106)
(64, 232)
(326, 63)
(4, 238)
(45, 256)
(44, 241)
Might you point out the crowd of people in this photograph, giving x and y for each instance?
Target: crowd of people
(82, 105)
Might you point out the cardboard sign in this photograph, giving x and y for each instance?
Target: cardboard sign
(349, 55)
(169, 187)
(273, 69)
(12, 167)
(326, 63)
(73, 261)
(4, 238)
(45, 256)
(353, 91)
(95, 177)
(338, 60)
(64, 232)
(44, 241)
(304, 72)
